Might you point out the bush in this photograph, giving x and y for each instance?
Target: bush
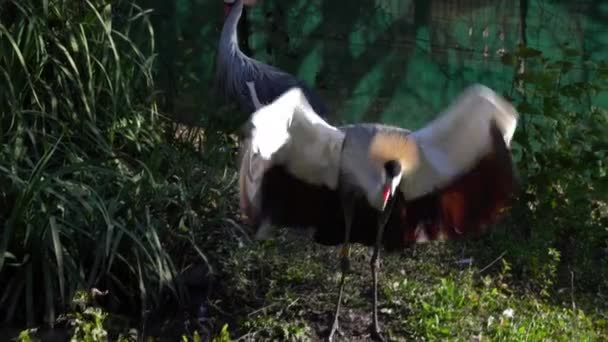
(561, 150)
(82, 203)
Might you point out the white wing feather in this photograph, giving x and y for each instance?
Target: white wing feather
(452, 144)
(288, 132)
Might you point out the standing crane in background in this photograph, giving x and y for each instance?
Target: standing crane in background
(247, 81)
(379, 185)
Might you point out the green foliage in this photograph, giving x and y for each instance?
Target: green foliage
(86, 320)
(277, 329)
(224, 335)
(195, 337)
(561, 151)
(24, 336)
(84, 167)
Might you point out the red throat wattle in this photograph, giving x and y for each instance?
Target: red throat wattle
(385, 193)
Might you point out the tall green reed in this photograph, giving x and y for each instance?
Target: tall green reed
(78, 127)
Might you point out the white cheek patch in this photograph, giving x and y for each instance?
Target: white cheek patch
(388, 193)
(395, 184)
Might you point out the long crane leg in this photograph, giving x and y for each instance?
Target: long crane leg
(344, 263)
(375, 265)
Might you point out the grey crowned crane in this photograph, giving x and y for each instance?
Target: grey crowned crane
(247, 81)
(379, 185)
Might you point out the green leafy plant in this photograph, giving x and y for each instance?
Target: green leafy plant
(224, 335)
(87, 321)
(24, 336)
(560, 149)
(81, 143)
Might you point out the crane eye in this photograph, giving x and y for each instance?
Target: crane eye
(392, 168)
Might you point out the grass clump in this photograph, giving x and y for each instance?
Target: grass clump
(465, 305)
(90, 187)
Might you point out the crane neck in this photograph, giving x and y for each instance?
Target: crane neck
(229, 38)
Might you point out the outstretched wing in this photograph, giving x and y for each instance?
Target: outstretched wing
(462, 176)
(455, 142)
(290, 134)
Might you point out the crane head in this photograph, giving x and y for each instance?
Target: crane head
(228, 4)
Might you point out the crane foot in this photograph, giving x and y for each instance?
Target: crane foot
(335, 328)
(377, 334)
